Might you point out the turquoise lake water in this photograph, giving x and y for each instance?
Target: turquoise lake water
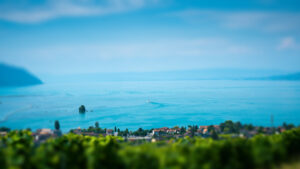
(149, 104)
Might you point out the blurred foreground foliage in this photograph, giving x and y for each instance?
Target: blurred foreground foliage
(18, 151)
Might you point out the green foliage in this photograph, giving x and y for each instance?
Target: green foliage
(214, 135)
(56, 125)
(4, 129)
(17, 151)
(248, 127)
(193, 129)
(123, 133)
(141, 132)
(288, 126)
(97, 125)
(230, 127)
(17, 148)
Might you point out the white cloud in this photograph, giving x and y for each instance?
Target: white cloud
(261, 20)
(287, 43)
(50, 9)
(200, 47)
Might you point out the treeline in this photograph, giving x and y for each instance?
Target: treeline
(97, 129)
(227, 127)
(71, 151)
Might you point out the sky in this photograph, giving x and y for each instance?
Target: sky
(90, 36)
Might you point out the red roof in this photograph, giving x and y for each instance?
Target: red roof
(203, 127)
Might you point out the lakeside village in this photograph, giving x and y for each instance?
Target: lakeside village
(226, 129)
(223, 130)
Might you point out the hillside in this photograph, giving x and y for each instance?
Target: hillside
(294, 76)
(15, 76)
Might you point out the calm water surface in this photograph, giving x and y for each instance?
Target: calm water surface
(150, 104)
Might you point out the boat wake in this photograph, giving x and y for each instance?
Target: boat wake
(11, 113)
(158, 105)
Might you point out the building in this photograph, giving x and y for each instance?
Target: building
(205, 131)
(163, 130)
(3, 133)
(116, 133)
(77, 131)
(172, 131)
(217, 128)
(202, 129)
(109, 132)
(155, 132)
(57, 133)
(42, 135)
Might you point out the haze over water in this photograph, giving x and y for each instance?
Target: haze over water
(149, 104)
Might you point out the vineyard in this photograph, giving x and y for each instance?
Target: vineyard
(71, 151)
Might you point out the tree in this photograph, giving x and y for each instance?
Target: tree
(237, 127)
(193, 130)
(214, 135)
(230, 127)
(126, 132)
(82, 109)
(249, 127)
(56, 125)
(140, 132)
(182, 130)
(210, 128)
(115, 129)
(4, 129)
(97, 125)
(288, 126)
(260, 129)
(57, 131)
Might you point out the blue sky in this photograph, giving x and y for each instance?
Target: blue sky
(88, 36)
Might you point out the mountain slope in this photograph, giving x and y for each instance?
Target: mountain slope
(294, 76)
(14, 76)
